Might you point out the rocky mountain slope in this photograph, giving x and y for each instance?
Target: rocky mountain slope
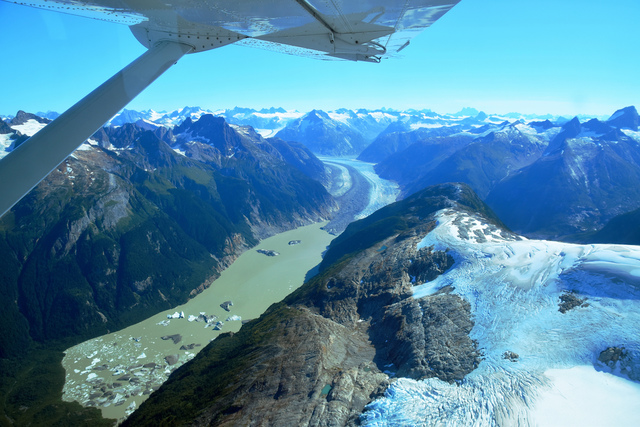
(542, 178)
(158, 118)
(414, 126)
(419, 157)
(623, 229)
(231, 148)
(392, 141)
(557, 326)
(16, 130)
(117, 233)
(320, 356)
(480, 157)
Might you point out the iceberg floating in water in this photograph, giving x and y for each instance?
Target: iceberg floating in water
(176, 315)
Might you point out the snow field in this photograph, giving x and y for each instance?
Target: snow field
(29, 128)
(581, 396)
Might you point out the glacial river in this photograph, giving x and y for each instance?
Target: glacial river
(116, 372)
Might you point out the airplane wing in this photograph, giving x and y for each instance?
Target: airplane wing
(357, 30)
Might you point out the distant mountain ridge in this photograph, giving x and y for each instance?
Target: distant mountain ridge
(498, 148)
(324, 135)
(589, 173)
(276, 118)
(365, 124)
(341, 130)
(421, 148)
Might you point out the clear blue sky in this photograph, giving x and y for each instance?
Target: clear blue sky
(546, 56)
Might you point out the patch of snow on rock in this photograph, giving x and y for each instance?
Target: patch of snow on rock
(340, 117)
(525, 128)
(29, 128)
(631, 134)
(6, 143)
(268, 133)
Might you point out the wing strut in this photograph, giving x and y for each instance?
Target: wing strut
(34, 159)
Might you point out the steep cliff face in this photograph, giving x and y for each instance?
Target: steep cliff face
(623, 229)
(322, 354)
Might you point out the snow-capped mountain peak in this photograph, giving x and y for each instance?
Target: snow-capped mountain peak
(172, 118)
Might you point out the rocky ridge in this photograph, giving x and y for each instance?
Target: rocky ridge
(544, 179)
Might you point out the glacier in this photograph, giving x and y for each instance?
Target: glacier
(514, 286)
(382, 191)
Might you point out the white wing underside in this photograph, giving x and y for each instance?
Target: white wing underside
(364, 30)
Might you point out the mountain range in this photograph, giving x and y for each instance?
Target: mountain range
(589, 173)
(362, 124)
(496, 155)
(134, 222)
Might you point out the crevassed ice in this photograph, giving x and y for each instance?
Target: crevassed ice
(514, 288)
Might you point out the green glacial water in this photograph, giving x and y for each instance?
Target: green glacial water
(116, 372)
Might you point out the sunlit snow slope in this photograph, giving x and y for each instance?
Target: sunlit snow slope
(541, 366)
